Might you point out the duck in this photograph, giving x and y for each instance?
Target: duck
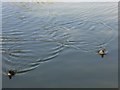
(11, 73)
(101, 52)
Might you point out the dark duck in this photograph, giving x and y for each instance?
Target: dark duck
(11, 73)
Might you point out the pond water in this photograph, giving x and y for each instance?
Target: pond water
(54, 45)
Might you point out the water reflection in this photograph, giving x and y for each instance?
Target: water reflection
(31, 37)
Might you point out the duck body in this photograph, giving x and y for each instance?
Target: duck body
(11, 73)
(101, 52)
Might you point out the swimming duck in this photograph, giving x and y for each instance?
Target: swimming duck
(101, 52)
(11, 73)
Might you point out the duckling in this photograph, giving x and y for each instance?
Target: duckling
(101, 52)
(11, 73)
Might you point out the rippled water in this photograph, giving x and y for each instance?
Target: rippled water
(35, 34)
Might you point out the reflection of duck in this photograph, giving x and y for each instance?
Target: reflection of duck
(101, 52)
(11, 73)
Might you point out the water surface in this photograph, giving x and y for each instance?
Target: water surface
(55, 45)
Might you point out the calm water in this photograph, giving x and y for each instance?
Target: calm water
(55, 45)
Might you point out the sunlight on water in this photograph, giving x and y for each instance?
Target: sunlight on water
(34, 33)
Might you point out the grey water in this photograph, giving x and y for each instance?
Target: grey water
(54, 45)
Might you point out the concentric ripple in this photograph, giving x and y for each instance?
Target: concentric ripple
(33, 34)
(89, 35)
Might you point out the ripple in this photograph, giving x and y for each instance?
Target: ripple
(30, 37)
(90, 35)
